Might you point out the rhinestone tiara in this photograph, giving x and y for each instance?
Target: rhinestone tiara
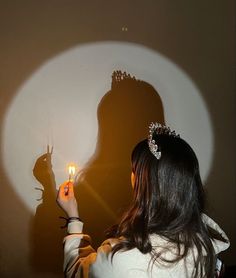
(157, 128)
(118, 76)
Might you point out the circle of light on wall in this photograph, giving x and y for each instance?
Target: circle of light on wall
(57, 106)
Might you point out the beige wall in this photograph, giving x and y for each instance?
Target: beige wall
(199, 37)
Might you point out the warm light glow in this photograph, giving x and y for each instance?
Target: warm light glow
(84, 72)
(72, 168)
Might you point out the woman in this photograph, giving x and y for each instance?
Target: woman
(164, 233)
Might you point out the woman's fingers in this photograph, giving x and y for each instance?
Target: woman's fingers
(66, 190)
(61, 192)
(66, 199)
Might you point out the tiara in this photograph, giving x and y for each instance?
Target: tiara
(118, 76)
(157, 128)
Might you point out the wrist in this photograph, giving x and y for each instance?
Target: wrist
(74, 219)
(71, 222)
(73, 214)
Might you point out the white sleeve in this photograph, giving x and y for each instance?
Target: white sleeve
(79, 255)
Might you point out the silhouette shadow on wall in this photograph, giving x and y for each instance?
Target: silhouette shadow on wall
(46, 235)
(103, 188)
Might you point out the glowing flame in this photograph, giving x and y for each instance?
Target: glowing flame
(72, 168)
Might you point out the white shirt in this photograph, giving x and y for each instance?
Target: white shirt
(81, 260)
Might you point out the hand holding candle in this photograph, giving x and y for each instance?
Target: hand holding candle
(67, 201)
(65, 197)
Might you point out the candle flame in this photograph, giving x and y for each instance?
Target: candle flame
(71, 170)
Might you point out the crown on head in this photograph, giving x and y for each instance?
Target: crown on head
(157, 128)
(118, 76)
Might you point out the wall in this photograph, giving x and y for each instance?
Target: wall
(197, 37)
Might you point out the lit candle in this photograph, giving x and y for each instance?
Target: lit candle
(71, 170)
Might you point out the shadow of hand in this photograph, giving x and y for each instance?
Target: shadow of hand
(43, 170)
(46, 253)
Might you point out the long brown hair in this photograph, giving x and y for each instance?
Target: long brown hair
(168, 201)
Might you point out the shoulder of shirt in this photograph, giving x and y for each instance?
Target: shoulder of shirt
(218, 245)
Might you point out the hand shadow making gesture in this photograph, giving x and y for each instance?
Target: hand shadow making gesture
(46, 253)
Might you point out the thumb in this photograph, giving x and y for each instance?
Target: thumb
(61, 191)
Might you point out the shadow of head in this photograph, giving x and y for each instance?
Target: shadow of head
(125, 112)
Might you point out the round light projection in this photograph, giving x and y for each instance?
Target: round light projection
(57, 107)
